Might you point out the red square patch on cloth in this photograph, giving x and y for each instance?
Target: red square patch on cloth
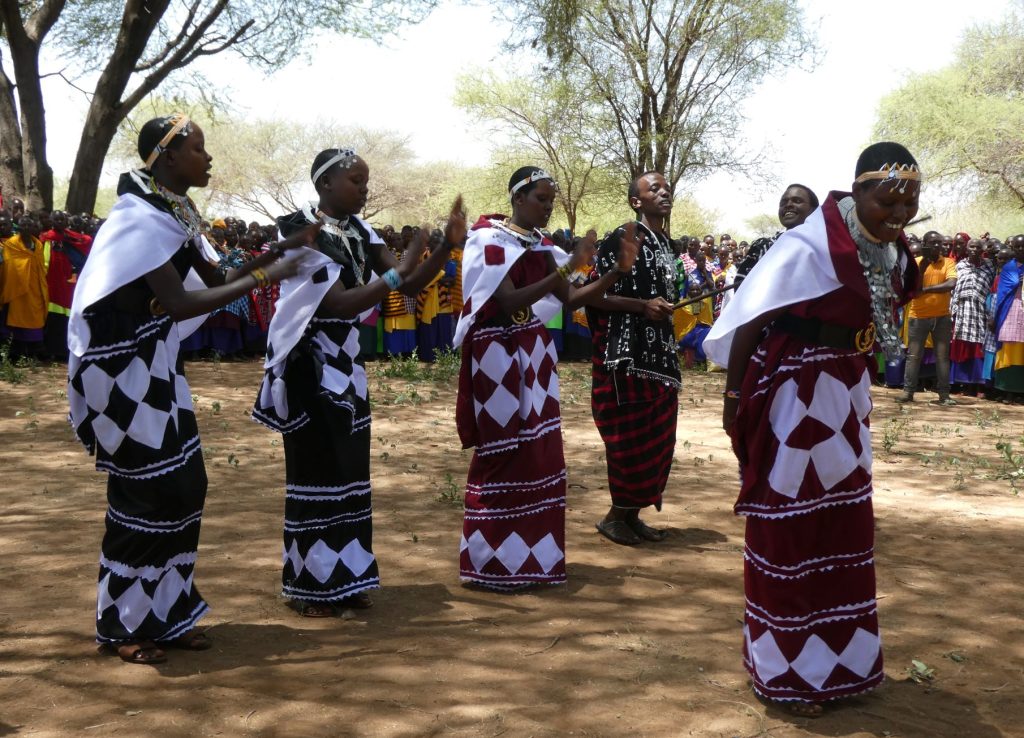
(494, 255)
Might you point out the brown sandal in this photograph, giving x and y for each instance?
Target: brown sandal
(360, 601)
(618, 531)
(194, 640)
(313, 609)
(145, 653)
(646, 532)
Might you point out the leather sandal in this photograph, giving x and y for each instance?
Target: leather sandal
(618, 531)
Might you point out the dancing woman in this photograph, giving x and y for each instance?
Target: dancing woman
(130, 403)
(314, 390)
(513, 531)
(799, 353)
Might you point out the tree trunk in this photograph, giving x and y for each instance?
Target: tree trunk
(12, 173)
(107, 108)
(97, 134)
(24, 41)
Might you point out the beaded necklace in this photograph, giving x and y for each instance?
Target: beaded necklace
(879, 262)
(184, 209)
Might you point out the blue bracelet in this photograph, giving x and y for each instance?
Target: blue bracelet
(392, 278)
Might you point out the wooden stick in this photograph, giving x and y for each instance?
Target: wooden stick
(704, 295)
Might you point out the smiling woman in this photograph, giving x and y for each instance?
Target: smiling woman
(799, 345)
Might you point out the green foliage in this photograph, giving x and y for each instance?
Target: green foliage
(446, 365)
(12, 371)
(449, 492)
(402, 367)
(766, 224)
(272, 35)
(894, 431)
(1012, 464)
(664, 75)
(965, 122)
(551, 131)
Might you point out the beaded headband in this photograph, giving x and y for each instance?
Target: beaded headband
(180, 124)
(535, 177)
(892, 173)
(345, 154)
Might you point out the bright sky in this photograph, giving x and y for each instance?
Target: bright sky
(814, 123)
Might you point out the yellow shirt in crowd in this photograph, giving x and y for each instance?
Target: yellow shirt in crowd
(933, 304)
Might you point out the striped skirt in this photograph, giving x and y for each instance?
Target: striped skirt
(639, 438)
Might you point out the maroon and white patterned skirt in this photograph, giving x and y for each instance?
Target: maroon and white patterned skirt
(513, 532)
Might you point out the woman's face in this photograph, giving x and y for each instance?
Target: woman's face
(533, 210)
(188, 162)
(885, 208)
(346, 188)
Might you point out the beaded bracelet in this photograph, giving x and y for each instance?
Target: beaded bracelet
(731, 394)
(392, 278)
(260, 276)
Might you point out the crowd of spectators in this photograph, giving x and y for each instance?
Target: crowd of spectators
(953, 329)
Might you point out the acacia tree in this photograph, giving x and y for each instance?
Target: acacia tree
(262, 166)
(966, 122)
(550, 129)
(667, 75)
(145, 44)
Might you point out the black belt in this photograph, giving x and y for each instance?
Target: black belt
(128, 299)
(831, 335)
(502, 320)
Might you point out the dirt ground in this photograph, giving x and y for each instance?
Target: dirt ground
(642, 642)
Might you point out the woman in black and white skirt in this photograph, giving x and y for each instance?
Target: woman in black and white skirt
(314, 391)
(150, 279)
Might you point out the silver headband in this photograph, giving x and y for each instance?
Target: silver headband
(535, 177)
(344, 153)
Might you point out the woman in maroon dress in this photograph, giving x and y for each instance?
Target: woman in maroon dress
(514, 526)
(799, 341)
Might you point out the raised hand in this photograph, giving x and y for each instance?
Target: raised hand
(455, 229)
(629, 247)
(413, 254)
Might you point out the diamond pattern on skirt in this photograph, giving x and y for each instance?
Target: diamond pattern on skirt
(815, 433)
(134, 605)
(513, 552)
(768, 658)
(532, 370)
(816, 660)
(321, 559)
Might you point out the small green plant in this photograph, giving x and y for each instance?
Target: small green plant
(446, 365)
(233, 460)
(402, 367)
(1013, 464)
(450, 493)
(893, 432)
(12, 371)
(920, 672)
(215, 406)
